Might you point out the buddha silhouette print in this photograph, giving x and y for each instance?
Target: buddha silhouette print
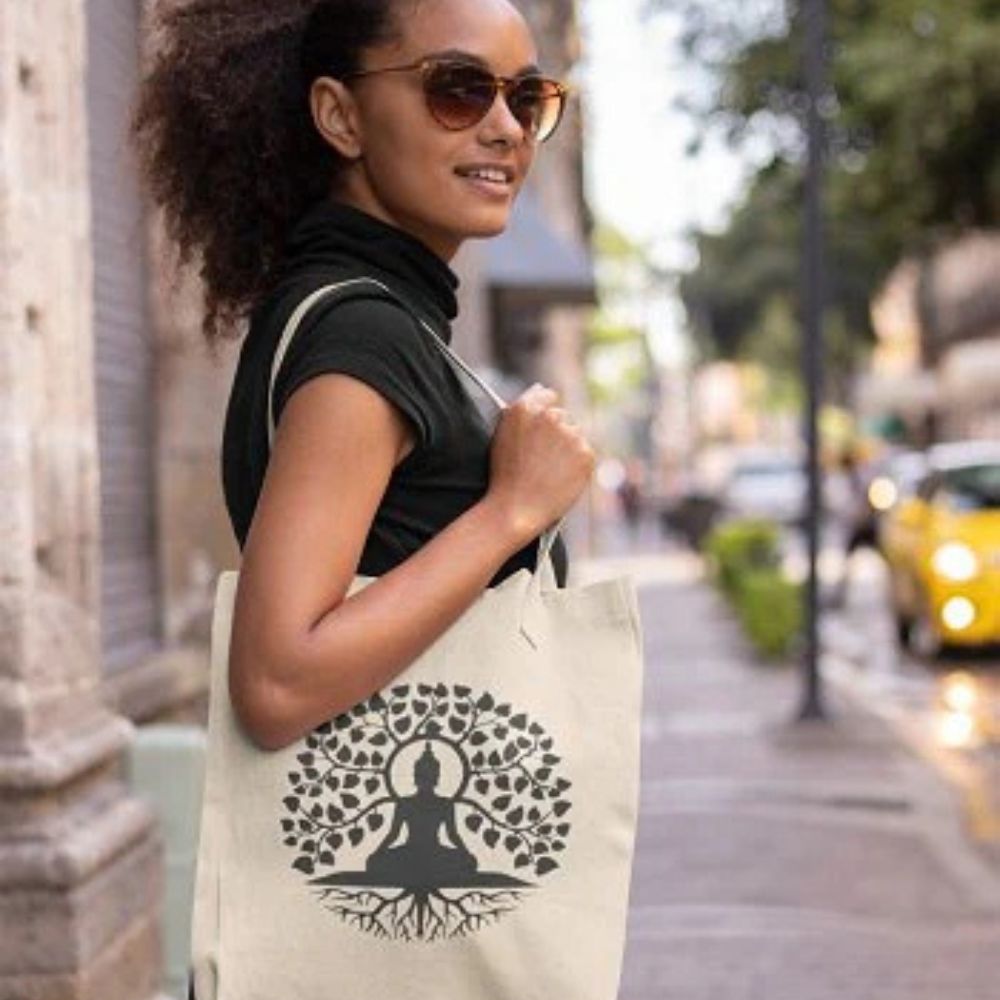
(422, 858)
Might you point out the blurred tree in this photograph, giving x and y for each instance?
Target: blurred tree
(912, 112)
(913, 148)
(619, 361)
(747, 270)
(774, 345)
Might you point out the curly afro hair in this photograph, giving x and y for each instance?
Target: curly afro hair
(224, 137)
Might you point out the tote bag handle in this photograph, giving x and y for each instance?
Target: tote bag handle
(547, 538)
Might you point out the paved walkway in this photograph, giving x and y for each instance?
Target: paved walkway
(780, 860)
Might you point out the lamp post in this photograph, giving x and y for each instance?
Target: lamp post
(814, 298)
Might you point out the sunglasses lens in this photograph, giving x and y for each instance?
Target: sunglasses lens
(458, 96)
(537, 104)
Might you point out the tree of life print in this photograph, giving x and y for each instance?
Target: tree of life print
(424, 812)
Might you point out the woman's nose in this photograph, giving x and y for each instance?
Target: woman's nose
(500, 123)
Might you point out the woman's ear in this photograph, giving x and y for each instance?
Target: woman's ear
(335, 114)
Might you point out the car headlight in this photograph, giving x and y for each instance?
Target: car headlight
(882, 493)
(955, 561)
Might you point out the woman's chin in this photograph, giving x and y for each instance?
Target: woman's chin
(489, 224)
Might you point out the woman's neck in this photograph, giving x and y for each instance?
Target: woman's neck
(360, 196)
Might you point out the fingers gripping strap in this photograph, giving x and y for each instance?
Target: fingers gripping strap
(549, 536)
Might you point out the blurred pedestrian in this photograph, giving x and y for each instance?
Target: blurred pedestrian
(631, 495)
(855, 516)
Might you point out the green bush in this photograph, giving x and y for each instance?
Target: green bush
(738, 547)
(770, 609)
(745, 561)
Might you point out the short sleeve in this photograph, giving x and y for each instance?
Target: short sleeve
(371, 339)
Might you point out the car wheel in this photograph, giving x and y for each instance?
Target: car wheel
(925, 640)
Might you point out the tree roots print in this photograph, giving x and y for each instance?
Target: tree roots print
(426, 812)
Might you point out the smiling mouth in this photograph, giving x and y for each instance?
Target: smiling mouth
(492, 176)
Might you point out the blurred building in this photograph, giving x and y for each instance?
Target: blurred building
(726, 408)
(960, 335)
(935, 371)
(897, 393)
(113, 527)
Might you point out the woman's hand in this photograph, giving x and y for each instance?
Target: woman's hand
(540, 461)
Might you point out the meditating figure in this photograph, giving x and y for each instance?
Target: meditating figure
(422, 858)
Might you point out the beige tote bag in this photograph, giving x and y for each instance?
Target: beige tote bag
(464, 834)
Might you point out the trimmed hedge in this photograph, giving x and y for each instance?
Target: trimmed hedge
(746, 566)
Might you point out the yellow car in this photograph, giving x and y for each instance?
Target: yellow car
(942, 546)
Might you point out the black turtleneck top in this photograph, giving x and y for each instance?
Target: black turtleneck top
(377, 340)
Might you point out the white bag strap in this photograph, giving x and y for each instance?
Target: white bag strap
(549, 535)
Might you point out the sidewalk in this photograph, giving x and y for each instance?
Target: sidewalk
(779, 860)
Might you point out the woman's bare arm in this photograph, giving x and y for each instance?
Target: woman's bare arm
(301, 653)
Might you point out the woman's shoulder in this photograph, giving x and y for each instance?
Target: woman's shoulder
(345, 312)
(359, 329)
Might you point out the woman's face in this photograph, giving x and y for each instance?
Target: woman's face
(409, 171)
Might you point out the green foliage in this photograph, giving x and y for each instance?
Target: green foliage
(775, 345)
(610, 392)
(753, 268)
(744, 558)
(737, 547)
(911, 115)
(920, 95)
(912, 112)
(602, 331)
(610, 243)
(770, 610)
(755, 258)
(618, 357)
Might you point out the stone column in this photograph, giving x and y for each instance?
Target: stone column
(80, 861)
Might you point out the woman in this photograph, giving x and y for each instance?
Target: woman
(295, 144)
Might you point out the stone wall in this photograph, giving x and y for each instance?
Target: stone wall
(80, 861)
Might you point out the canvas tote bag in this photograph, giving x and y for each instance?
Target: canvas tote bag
(466, 833)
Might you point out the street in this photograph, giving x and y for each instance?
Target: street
(948, 710)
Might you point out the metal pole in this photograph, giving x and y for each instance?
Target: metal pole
(814, 28)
